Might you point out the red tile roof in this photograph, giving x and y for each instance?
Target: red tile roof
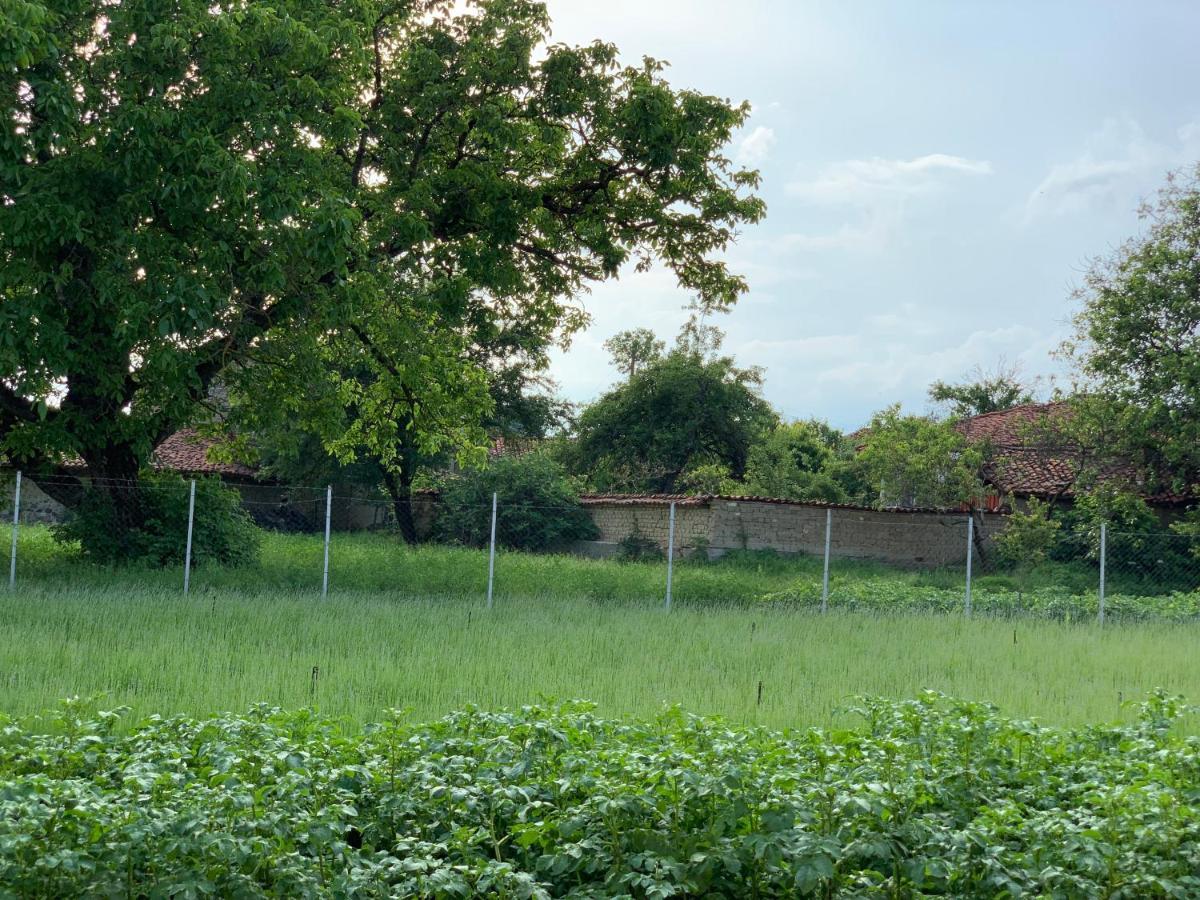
(187, 451)
(1025, 460)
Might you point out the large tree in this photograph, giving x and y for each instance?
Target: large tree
(677, 412)
(1137, 344)
(200, 188)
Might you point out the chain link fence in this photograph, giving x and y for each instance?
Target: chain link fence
(320, 540)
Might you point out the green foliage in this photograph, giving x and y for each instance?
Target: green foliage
(925, 797)
(147, 523)
(283, 193)
(916, 461)
(538, 506)
(1028, 535)
(678, 413)
(637, 547)
(1135, 344)
(1134, 533)
(794, 462)
(633, 348)
(982, 392)
(710, 479)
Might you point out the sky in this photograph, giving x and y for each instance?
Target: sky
(938, 175)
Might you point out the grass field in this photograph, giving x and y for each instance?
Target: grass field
(407, 628)
(159, 653)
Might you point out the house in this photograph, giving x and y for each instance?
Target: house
(1029, 457)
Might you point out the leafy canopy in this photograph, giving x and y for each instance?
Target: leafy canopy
(188, 188)
(1137, 341)
(982, 392)
(916, 461)
(678, 412)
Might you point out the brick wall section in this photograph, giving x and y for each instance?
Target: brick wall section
(924, 539)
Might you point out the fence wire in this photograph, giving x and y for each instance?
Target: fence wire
(323, 540)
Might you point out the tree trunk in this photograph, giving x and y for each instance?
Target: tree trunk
(400, 489)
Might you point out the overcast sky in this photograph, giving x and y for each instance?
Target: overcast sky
(937, 176)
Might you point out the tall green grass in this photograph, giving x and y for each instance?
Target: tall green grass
(356, 654)
(379, 562)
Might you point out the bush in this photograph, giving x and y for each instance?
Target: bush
(148, 524)
(637, 547)
(538, 506)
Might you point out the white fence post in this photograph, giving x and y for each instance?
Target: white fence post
(187, 553)
(492, 554)
(328, 515)
(12, 561)
(970, 557)
(825, 577)
(1103, 561)
(670, 553)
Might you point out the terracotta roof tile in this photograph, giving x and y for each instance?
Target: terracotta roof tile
(187, 452)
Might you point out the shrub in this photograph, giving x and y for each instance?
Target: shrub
(148, 524)
(538, 506)
(637, 547)
(1028, 536)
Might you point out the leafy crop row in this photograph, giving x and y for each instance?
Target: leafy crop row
(895, 597)
(930, 797)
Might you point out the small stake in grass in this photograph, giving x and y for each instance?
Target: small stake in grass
(759, 694)
(312, 685)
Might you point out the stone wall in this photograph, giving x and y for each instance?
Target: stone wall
(37, 508)
(923, 539)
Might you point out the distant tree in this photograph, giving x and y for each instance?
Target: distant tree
(917, 461)
(698, 338)
(1136, 346)
(633, 348)
(983, 392)
(678, 412)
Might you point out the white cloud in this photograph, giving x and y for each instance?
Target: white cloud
(756, 146)
(877, 191)
(859, 181)
(1119, 165)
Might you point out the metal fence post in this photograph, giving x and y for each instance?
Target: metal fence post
(1103, 561)
(12, 561)
(970, 557)
(492, 555)
(670, 553)
(187, 553)
(328, 516)
(825, 577)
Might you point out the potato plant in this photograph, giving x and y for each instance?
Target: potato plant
(928, 797)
